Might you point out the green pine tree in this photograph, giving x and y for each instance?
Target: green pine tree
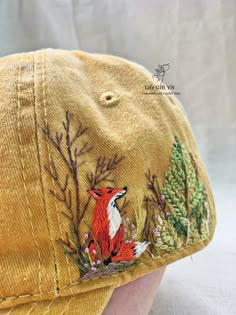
(184, 193)
(186, 202)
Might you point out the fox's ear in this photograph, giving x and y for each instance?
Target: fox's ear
(95, 193)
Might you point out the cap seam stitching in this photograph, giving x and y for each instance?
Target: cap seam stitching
(49, 160)
(56, 288)
(40, 170)
(24, 175)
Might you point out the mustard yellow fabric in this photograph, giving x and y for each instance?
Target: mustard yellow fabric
(93, 302)
(36, 89)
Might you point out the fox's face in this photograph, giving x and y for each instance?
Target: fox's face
(108, 193)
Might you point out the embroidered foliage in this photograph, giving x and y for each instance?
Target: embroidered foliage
(134, 229)
(110, 244)
(179, 211)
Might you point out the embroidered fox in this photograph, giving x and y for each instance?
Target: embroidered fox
(108, 229)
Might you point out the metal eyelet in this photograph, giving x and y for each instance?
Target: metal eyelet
(109, 98)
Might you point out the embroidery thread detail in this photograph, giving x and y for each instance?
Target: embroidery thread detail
(178, 212)
(105, 248)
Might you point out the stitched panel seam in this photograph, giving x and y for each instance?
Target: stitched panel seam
(41, 183)
(50, 159)
(24, 178)
(56, 289)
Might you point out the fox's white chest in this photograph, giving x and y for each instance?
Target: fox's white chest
(114, 218)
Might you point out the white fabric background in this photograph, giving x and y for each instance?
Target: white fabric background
(197, 38)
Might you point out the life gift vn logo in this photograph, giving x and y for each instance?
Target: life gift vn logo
(160, 88)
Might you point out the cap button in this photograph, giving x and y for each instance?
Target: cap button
(109, 98)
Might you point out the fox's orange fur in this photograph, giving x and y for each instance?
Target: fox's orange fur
(108, 229)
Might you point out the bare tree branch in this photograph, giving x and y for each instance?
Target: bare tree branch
(57, 144)
(85, 149)
(64, 197)
(74, 171)
(67, 246)
(78, 133)
(102, 172)
(154, 187)
(66, 215)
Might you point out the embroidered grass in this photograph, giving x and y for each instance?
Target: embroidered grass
(177, 211)
(71, 150)
(88, 268)
(109, 270)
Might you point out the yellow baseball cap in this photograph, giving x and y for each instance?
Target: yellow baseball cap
(100, 183)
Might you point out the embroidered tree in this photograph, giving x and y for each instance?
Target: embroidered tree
(72, 150)
(71, 159)
(180, 209)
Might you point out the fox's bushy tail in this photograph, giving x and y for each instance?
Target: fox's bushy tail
(130, 251)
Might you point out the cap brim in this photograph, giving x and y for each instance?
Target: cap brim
(87, 303)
